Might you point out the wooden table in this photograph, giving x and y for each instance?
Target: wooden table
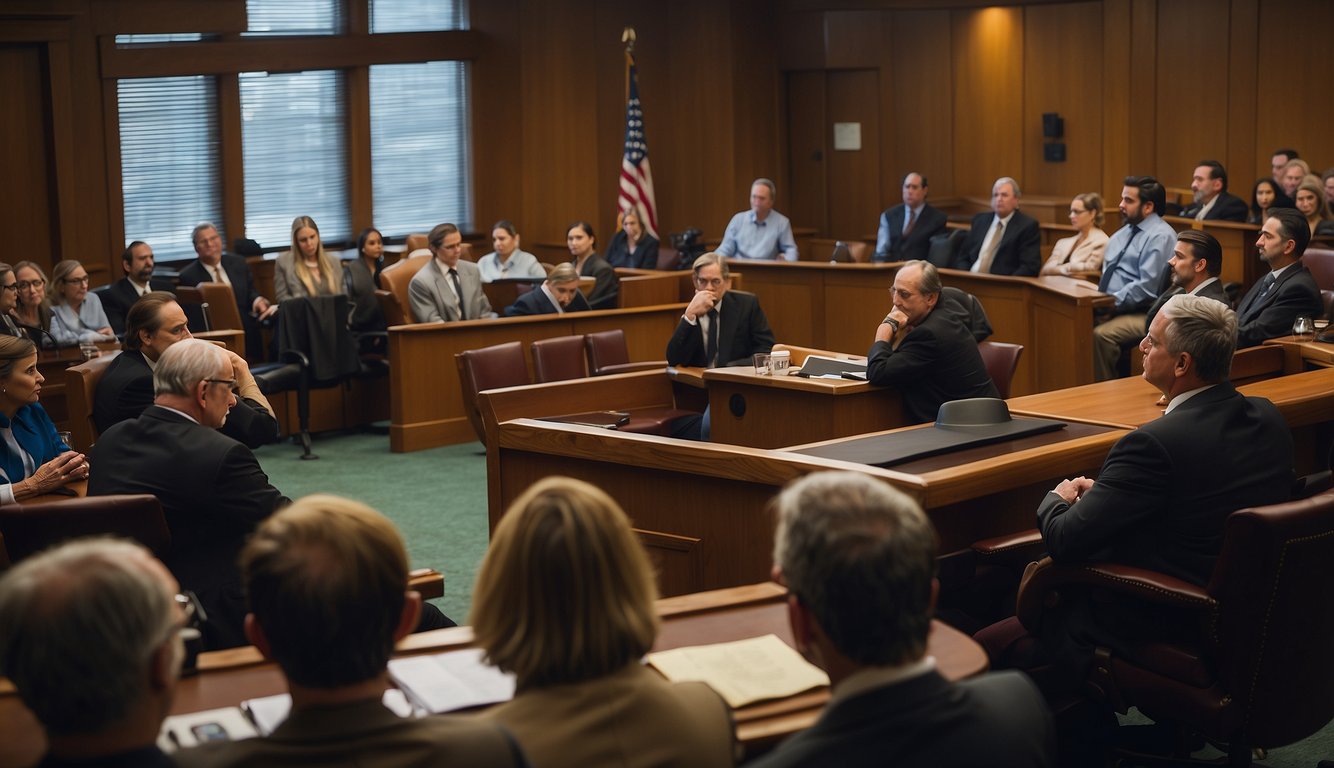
(773, 411)
(227, 678)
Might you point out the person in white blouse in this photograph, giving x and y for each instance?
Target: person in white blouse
(507, 260)
(1085, 250)
(77, 315)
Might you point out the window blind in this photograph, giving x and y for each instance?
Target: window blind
(293, 17)
(417, 15)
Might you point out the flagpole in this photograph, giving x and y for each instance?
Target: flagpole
(628, 37)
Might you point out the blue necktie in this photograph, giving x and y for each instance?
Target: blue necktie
(1111, 267)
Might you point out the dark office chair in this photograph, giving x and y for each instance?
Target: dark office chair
(608, 353)
(559, 359)
(493, 367)
(30, 528)
(1259, 672)
(1001, 360)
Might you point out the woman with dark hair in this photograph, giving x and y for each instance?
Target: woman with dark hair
(564, 601)
(1265, 195)
(581, 241)
(632, 247)
(33, 309)
(33, 458)
(362, 277)
(306, 269)
(77, 317)
(507, 260)
(9, 298)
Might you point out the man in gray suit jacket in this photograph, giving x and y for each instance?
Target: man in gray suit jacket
(859, 560)
(447, 288)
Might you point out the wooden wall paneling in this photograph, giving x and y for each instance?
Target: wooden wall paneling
(758, 131)
(852, 39)
(802, 40)
(1116, 102)
(920, 120)
(806, 200)
(115, 196)
(113, 17)
(1143, 49)
(1191, 119)
(26, 202)
(357, 84)
(1294, 109)
(560, 139)
(498, 116)
(1063, 74)
(230, 160)
(1244, 161)
(988, 60)
(64, 154)
(854, 189)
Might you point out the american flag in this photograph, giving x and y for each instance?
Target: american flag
(636, 176)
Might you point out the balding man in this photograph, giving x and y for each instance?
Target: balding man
(1006, 241)
(906, 230)
(90, 636)
(153, 324)
(211, 487)
(558, 294)
(327, 584)
(761, 232)
(924, 350)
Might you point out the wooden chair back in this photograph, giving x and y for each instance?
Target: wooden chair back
(80, 393)
(396, 277)
(30, 528)
(559, 359)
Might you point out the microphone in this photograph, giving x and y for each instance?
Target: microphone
(37, 329)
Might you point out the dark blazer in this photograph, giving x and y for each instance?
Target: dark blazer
(607, 290)
(243, 288)
(1020, 250)
(213, 493)
(1157, 505)
(1229, 207)
(892, 245)
(366, 312)
(121, 295)
(644, 257)
(1213, 291)
(744, 330)
(1294, 294)
(996, 719)
(535, 302)
(126, 389)
(937, 362)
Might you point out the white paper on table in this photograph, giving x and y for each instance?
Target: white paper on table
(445, 682)
(269, 712)
(743, 671)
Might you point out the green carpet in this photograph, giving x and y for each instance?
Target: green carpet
(437, 498)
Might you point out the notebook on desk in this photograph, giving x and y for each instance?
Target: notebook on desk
(816, 365)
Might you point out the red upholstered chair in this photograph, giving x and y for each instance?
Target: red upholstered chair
(1001, 360)
(608, 353)
(31, 528)
(559, 359)
(1259, 673)
(502, 365)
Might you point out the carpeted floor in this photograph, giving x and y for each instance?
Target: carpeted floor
(437, 498)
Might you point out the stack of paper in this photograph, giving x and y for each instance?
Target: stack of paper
(450, 681)
(744, 671)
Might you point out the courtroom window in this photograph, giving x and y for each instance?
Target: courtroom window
(294, 17)
(417, 15)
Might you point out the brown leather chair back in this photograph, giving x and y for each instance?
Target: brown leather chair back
(502, 365)
(559, 359)
(394, 313)
(223, 314)
(1001, 360)
(414, 241)
(396, 277)
(1321, 263)
(606, 348)
(80, 393)
(31, 528)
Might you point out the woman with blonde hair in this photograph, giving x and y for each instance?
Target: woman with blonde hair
(33, 308)
(1310, 202)
(77, 315)
(1084, 251)
(565, 601)
(306, 270)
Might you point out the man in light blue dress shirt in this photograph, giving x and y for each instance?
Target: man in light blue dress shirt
(761, 232)
(1137, 256)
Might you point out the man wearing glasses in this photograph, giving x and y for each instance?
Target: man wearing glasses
(91, 636)
(448, 288)
(720, 326)
(212, 489)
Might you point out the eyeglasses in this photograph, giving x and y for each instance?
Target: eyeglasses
(229, 382)
(24, 285)
(11, 287)
(76, 280)
(711, 282)
(1076, 211)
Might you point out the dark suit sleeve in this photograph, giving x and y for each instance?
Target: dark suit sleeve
(972, 246)
(686, 347)
(1231, 208)
(886, 366)
(128, 402)
(524, 305)
(1132, 486)
(1030, 249)
(241, 490)
(249, 423)
(1294, 298)
(607, 288)
(648, 252)
(761, 337)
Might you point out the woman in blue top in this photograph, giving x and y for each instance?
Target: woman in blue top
(77, 315)
(33, 459)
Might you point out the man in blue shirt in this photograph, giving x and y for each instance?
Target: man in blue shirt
(761, 232)
(1137, 256)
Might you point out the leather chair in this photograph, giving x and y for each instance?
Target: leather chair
(559, 359)
(394, 312)
(217, 303)
(1001, 360)
(945, 247)
(502, 365)
(30, 528)
(1258, 673)
(80, 393)
(396, 277)
(608, 354)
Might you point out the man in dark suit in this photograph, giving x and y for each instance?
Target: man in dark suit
(1006, 241)
(156, 322)
(212, 489)
(327, 584)
(447, 288)
(214, 266)
(137, 261)
(557, 295)
(1196, 262)
(1212, 200)
(906, 230)
(859, 560)
(1289, 290)
(924, 350)
(720, 326)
